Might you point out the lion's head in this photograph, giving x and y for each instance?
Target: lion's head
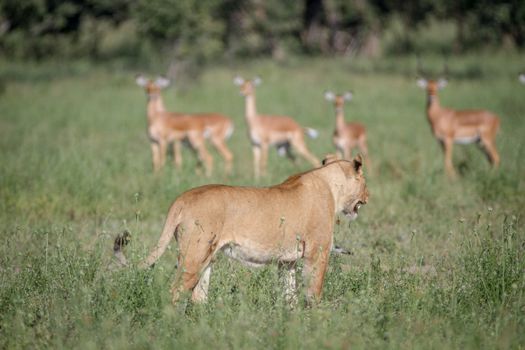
(354, 193)
(357, 192)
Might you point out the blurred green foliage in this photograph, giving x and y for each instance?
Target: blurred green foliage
(202, 31)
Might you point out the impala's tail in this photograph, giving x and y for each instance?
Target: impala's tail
(312, 133)
(170, 226)
(229, 131)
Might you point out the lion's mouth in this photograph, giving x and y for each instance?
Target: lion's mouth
(351, 213)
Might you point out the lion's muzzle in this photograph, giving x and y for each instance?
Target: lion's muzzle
(352, 210)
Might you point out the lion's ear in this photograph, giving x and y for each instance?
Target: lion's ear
(357, 162)
(329, 158)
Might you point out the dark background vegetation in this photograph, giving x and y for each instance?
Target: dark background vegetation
(192, 32)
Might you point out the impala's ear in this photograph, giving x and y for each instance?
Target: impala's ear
(162, 82)
(357, 162)
(522, 78)
(348, 96)
(422, 83)
(329, 158)
(238, 80)
(141, 81)
(442, 82)
(329, 96)
(257, 81)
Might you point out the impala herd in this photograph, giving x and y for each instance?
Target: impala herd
(449, 126)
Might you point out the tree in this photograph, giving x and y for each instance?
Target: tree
(41, 28)
(189, 31)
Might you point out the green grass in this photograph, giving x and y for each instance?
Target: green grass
(436, 264)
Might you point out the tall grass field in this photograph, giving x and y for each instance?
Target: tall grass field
(436, 263)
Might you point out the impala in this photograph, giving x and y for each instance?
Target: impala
(266, 130)
(218, 128)
(466, 126)
(168, 127)
(347, 135)
(521, 78)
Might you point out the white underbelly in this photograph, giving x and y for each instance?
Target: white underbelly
(254, 257)
(256, 140)
(340, 144)
(247, 257)
(466, 140)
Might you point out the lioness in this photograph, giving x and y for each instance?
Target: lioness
(256, 226)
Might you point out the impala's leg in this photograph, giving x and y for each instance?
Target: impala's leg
(338, 149)
(197, 142)
(256, 161)
(290, 155)
(264, 158)
(207, 158)
(155, 152)
(489, 147)
(287, 272)
(448, 145)
(177, 156)
(163, 147)
(314, 269)
(339, 152)
(299, 145)
(348, 152)
(225, 153)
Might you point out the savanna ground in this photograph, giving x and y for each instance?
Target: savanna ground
(436, 264)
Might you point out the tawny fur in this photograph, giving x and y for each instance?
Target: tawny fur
(171, 127)
(460, 126)
(282, 223)
(347, 135)
(270, 130)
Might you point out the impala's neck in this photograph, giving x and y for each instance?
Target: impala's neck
(432, 101)
(339, 118)
(433, 106)
(157, 102)
(250, 110)
(155, 105)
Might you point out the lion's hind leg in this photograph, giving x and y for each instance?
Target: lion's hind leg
(193, 275)
(200, 291)
(191, 278)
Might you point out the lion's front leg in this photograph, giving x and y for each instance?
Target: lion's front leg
(287, 273)
(314, 269)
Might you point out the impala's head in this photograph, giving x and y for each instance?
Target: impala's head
(432, 86)
(152, 87)
(247, 87)
(353, 193)
(338, 100)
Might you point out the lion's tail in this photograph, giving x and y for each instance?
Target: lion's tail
(172, 221)
(121, 241)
